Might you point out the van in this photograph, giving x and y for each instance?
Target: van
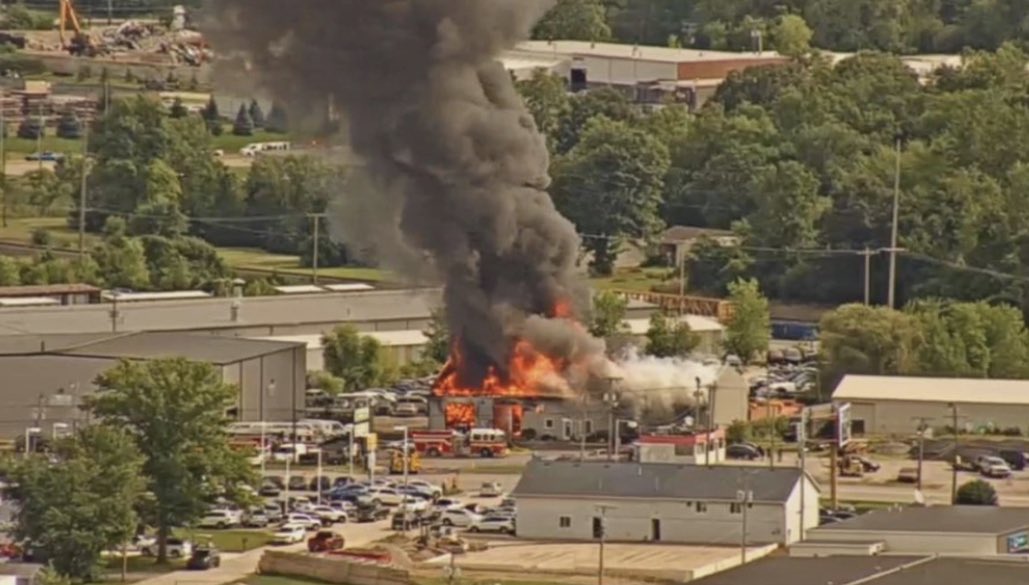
(1016, 460)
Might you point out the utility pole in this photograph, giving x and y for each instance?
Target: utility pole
(923, 425)
(110, 12)
(602, 508)
(954, 461)
(314, 261)
(893, 231)
(711, 391)
(3, 158)
(771, 434)
(802, 450)
(867, 253)
(744, 497)
(611, 400)
(39, 136)
(82, 193)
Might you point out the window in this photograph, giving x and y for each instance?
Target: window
(701, 508)
(565, 522)
(589, 427)
(598, 527)
(735, 508)
(548, 423)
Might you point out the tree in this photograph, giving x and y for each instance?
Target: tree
(791, 36)
(213, 117)
(256, 114)
(574, 20)
(325, 381)
(749, 329)
(174, 410)
(69, 126)
(121, 259)
(31, 128)
(858, 339)
(244, 125)
(668, 339)
(278, 119)
(617, 168)
(357, 359)
(72, 512)
(9, 274)
(976, 493)
(437, 338)
(178, 109)
(607, 315)
(546, 98)
(584, 107)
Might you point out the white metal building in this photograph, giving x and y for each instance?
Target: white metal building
(661, 502)
(889, 404)
(710, 331)
(938, 530)
(403, 346)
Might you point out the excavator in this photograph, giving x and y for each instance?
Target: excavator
(81, 44)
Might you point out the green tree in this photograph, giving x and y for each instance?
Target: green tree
(256, 114)
(668, 339)
(789, 207)
(976, 493)
(31, 128)
(437, 338)
(121, 259)
(749, 329)
(857, 339)
(74, 511)
(546, 98)
(244, 125)
(607, 315)
(791, 36)
(325, 381)
(259, 287)
(178, 109)
(278, 119)
(617, 168)
(175, 410)
(69, 126)
(9, 273)
(574, 20)
(357, 359)
(583, 107)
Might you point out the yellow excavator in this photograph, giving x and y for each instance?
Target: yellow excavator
(80, 43)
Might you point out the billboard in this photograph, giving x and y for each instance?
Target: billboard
(843, 424)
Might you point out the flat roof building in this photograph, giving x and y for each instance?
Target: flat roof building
(889, 404)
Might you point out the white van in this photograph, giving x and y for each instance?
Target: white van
(258, 147)
(326, 428)
(252, 429)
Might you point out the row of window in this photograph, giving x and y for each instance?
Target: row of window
(700, 507)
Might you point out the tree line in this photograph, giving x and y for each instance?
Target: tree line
(799, 161)
(945, 26)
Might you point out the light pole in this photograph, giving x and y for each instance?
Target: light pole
(611, 400)
(28, 438)
(954, 463)
(602, 508)
(404, 454)
(893, 230)
(743, 498)
(318, 477)
(270, 391)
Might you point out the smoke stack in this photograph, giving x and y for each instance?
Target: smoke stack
(455, 167)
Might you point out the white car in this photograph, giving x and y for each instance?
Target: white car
(305, 520)
(413, 504)
(386, 496)
(433, 489)
(256, 518)
(175, 547)
(328, 514)
(217, 519)
(234, 512)
(502, 524)
(289, 534)
(491, 489)
(460, 517)
(445, 503)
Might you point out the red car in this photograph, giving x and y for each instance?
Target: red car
(325, 541)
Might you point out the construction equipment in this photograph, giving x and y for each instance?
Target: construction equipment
(396, 462)
(851, 466)
(81, 44)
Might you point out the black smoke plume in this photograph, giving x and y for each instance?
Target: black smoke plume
(457, 166)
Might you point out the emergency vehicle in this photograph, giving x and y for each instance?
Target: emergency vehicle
(474, 443)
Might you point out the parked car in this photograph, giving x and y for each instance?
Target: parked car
(444, 503)
(908, 475)
(387, 496)
(370, 512)
(275, 480)
(328, 514)
(269, 489)
(297, 483)
(256, 518)
(204, 558)
(494, 523)
(460, 517)
(220, 519)
(994, 467)
(289, 534)
(305, 520)
(741, 451)
(1016, 460)
(273, 511)
(176, 548)
(45, 156)
(413, 504)
(341, 480)
(432, 489)
(490, 489)
(325, 541)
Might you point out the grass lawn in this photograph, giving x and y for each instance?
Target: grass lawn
(21, 228)
(637, 279)
(228, 540)
(243, 258)
(141, 564)
(17, 148)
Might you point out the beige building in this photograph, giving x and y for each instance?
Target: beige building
(882, 405)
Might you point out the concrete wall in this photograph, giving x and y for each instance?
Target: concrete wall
(626, 71)
(330, 570)
(287, 368)
(25, 382)
(797, 515)
(896, 416)
(631, 521)
(915, 542)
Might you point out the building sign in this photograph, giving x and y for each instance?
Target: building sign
(1018, 543)
(362, 414)
(843, 424)
(361, 429)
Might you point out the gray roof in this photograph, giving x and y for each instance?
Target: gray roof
(654, 480)
(953, 519)
(957, 571)
(807, 571)
(141, 345)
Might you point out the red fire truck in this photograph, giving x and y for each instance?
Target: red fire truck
(474, 443)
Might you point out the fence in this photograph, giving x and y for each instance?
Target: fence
(331, 570)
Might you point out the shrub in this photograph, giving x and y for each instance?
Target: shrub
(69, 126)
(42, 237)
(977, 493)
(31, 128)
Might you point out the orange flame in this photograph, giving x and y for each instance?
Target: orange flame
(530, 373)
(459, 414)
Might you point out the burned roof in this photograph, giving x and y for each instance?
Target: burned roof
(654, 480)
(952, 519)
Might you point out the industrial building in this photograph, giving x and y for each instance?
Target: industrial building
(935, 530)
(661, 502)
(44, 377)
(890, 404)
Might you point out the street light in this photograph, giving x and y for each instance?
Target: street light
(28, 438)
(264, 445)
(611, 399)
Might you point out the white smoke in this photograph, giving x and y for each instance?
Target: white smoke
(661, 382)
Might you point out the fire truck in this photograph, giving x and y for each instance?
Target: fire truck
(474, 443)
